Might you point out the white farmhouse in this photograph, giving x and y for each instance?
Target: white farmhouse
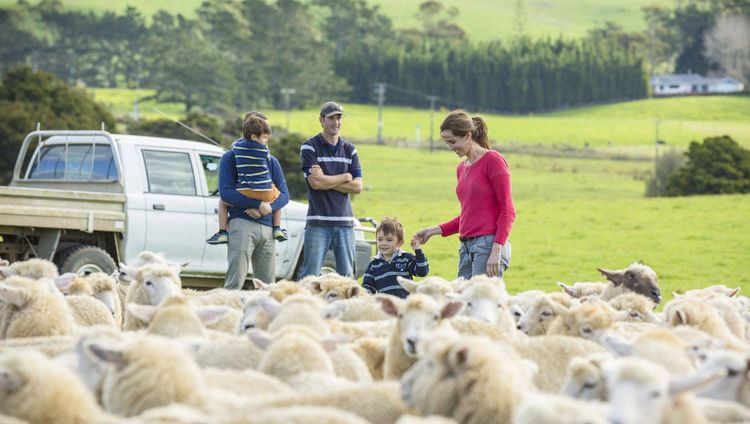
(686, 84)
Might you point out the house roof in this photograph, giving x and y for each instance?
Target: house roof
(690, 79)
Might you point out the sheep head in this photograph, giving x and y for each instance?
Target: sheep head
(638, 278)
(418, 316)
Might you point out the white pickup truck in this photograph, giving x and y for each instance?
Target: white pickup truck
(90, 199)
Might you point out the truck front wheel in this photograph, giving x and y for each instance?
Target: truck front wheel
(84, 260)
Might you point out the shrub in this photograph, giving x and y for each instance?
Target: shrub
(669, 163)
(717, 166)
(286, 149)
(28, 97)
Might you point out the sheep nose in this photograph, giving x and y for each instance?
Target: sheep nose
(249, 326)
(518, 327)
(412, 344)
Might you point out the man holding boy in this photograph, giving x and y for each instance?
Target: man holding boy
(250, 225)
(391, 262)
(331, 167)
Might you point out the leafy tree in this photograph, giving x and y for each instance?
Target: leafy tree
(286, 150)
(205, 124)
(28, 97)
(717, 166)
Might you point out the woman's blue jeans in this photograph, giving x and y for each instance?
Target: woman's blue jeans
(474, 254)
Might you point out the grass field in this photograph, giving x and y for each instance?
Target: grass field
(617, 126)
(481, 19)
(573, 216)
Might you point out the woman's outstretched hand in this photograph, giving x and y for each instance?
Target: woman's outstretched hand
(425, 233)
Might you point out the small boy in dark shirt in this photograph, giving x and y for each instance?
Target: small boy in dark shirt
(392, 262)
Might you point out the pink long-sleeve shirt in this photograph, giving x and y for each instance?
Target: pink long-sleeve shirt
(483, 190)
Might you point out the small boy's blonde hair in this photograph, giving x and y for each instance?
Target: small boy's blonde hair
(391, 226)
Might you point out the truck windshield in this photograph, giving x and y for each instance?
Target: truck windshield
(74, 163)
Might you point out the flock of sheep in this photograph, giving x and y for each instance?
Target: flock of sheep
(135, 347)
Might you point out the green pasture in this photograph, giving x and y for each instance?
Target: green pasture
(573, 215)
(619, 126)
(481, 19)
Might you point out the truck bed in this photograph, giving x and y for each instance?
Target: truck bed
(62, 209)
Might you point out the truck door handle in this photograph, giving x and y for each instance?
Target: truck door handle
(158, 207)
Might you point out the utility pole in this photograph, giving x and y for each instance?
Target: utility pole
(287, 93)
(657, 142)
(432, 100)
(136, 104)
(380, 91)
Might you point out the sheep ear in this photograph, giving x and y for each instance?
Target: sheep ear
(259, 284)
(145, 313)
(330, 343)
(110, 355)
(259, 338)
(64, 281)
(460, 357)
(734, 292)
(618, 345)
(270, 305)
(681, 316)
(10, 381)
(353, 292)
(676, 295)
(451, 309)
(696, 381)
(388, 305)
(616, 277)
(454, 296)
(566, 289)
(13, 295)
(211, 314)
(407, 284)
(316, 287)
(127, 271)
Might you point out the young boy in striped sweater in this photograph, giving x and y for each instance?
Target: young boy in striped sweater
(392, 262)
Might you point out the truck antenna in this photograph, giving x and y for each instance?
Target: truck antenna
(186, 127)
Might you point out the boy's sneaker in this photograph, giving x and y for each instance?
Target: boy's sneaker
(221, 237)
(280, 234)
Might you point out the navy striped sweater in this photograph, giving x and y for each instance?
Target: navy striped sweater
(380, 276)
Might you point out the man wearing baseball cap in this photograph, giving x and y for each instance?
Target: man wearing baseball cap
(332, 170)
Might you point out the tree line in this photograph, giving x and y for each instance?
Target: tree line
(239, 54)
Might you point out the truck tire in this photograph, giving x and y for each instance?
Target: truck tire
(84, 260)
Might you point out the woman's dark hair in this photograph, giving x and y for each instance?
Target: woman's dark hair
(460, 123)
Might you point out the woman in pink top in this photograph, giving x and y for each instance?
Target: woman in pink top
(483, 189)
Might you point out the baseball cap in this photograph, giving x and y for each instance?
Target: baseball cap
(330, 109)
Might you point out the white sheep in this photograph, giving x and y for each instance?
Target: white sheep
(433, 286)
(487, 301)
(581, 289)
(332, 287)
(147, 372)
(33, 388)
(544, 408)
(30, 310)
(540, 313)
(644, 393)
(660, 346)
(34, 269)
(88, 311)
(176, 317)
(634, 307)
(469, 379)
(417, 316)
(584, 378)
(150, 286)
(688, 311)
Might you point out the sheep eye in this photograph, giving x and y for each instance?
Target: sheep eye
(732, 373)
(516, 313)
(634, 314)
(149, 283)
(546, 313)
(468, 305)
(333, 294)
(655, 394)
(436, 317)
(586, 330)
(588, 385)
(400, 315)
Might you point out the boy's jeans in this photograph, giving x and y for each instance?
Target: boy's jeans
(474, 254)
(318, 238)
